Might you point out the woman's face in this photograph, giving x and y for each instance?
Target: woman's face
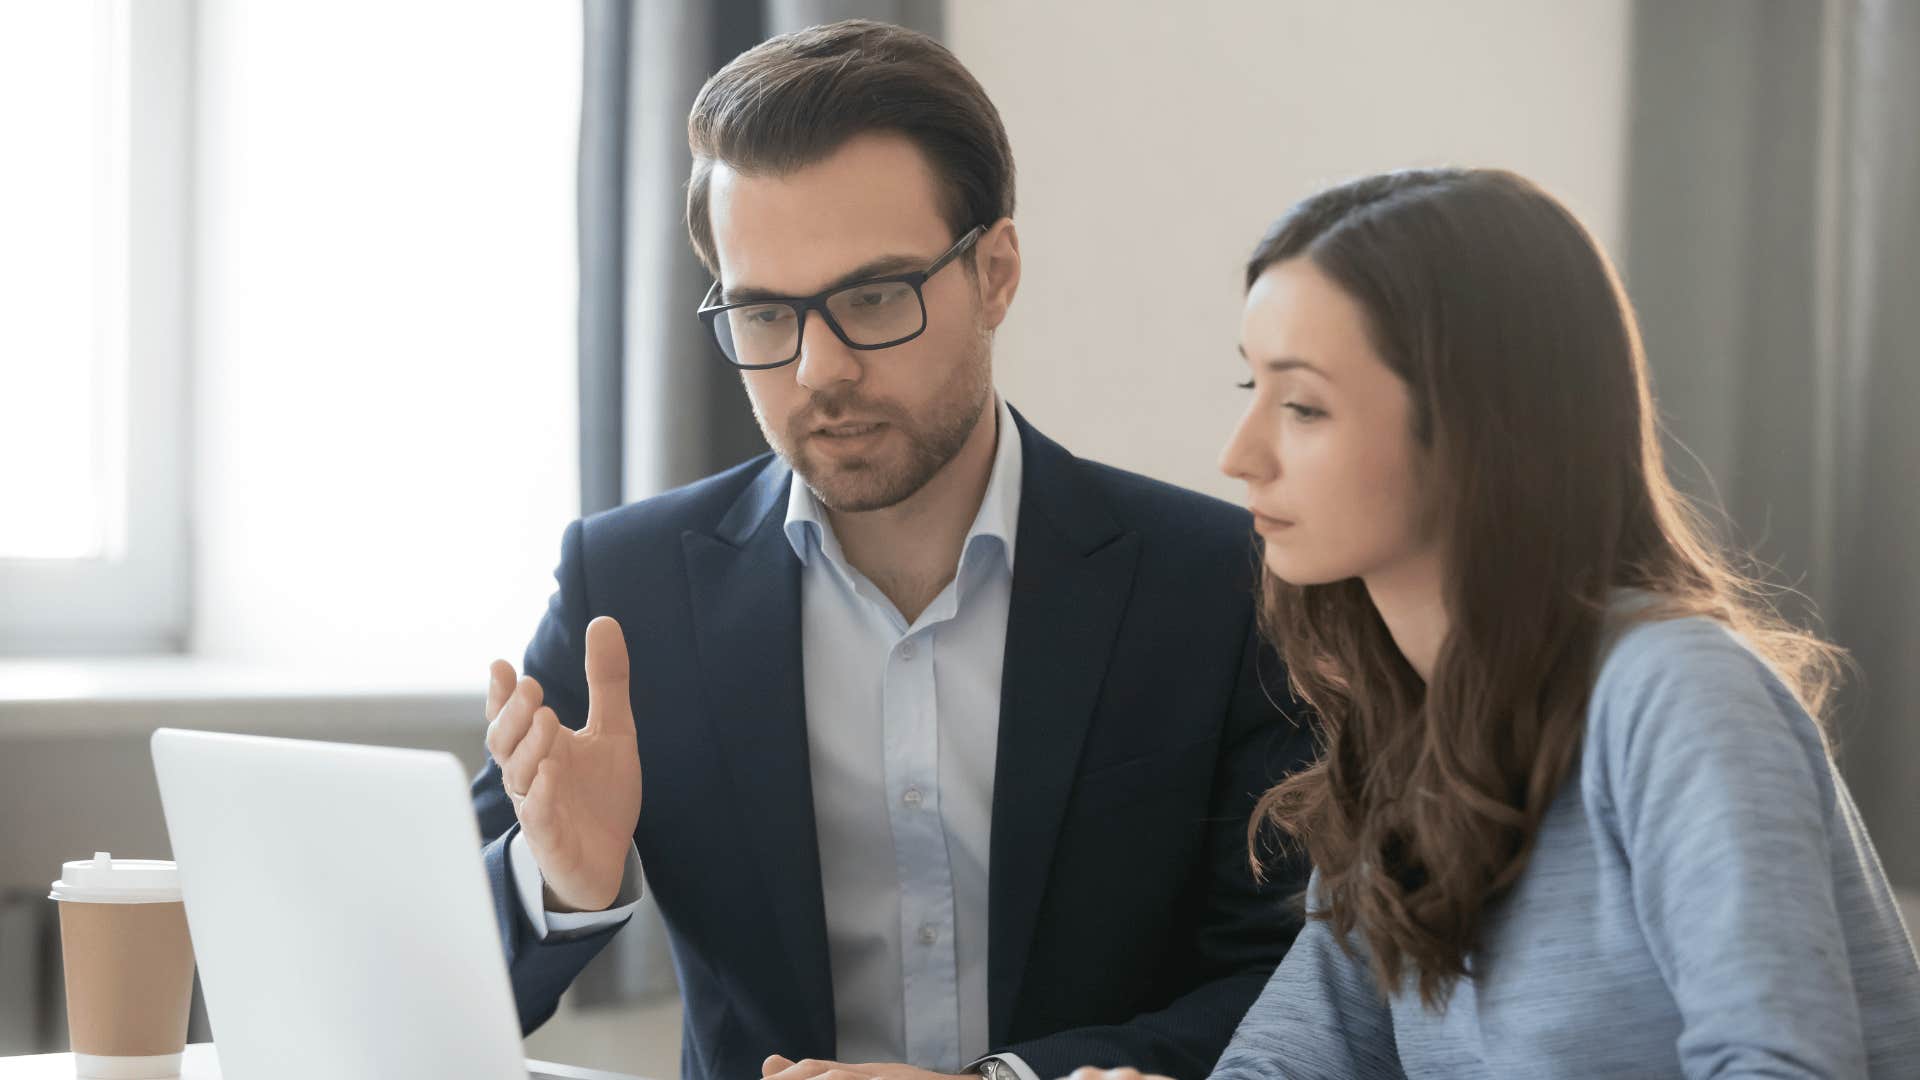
(1326, 447)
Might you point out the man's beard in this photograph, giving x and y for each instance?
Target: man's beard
(892, 472)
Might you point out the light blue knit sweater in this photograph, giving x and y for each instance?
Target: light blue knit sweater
(1703, 901)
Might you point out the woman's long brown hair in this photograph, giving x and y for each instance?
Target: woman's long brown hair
(1531, 405)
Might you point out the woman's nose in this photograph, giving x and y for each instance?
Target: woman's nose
(1248, 455)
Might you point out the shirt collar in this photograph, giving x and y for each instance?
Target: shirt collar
(998, 518)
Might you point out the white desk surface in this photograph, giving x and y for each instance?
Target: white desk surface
(200, 1064)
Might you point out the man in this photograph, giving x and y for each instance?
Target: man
(950, 739)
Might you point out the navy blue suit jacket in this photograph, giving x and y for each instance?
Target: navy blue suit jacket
(1137, 728)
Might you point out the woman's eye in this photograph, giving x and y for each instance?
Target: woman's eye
(1248, 385)
(1305, 412)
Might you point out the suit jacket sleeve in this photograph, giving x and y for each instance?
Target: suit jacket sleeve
(1244, 928)
(541, 970)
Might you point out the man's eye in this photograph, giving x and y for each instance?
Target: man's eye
(768, 316)
(876, 295)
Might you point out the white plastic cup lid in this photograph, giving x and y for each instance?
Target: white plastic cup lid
(104, 879)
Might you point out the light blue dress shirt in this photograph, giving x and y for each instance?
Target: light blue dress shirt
(902, 730)
(902, 725)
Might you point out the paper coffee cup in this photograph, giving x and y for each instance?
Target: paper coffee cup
(129, 964)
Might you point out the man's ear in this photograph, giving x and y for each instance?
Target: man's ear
(996, 256)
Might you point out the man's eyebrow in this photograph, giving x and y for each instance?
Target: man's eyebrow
(872, 268)
(1279, 364)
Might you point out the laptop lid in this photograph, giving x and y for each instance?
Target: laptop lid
(339, 909)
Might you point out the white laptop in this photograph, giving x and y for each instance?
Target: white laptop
(340, 911)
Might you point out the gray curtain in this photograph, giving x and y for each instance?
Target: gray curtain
(657, 407)
(1773, 245)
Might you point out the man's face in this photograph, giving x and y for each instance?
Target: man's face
(863, 429)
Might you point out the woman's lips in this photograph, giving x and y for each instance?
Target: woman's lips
(1263, 524)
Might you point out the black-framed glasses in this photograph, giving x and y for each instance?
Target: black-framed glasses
(877, 313)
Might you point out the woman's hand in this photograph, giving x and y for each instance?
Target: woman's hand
(1088, 1072)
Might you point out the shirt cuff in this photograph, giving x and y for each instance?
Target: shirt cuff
(532, 887)
(1011, 1061)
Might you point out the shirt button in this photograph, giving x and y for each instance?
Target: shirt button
(909, 651)
(912, 798)
(929, 934)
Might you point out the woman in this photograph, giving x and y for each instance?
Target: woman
(1574, 816)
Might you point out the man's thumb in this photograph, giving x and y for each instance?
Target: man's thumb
(609, 709)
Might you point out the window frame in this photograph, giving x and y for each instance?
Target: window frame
(135, 599)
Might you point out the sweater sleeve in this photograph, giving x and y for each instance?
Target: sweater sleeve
(1320, 1016)
(1721, 788)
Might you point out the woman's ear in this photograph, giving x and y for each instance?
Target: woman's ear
(997, 257)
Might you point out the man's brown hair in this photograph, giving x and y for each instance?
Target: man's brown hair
(793, 100)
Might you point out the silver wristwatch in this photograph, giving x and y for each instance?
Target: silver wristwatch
(994, 1069)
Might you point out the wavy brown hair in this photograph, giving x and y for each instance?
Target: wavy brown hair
(1531, 407)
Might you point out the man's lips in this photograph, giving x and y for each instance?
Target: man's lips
(849, 429)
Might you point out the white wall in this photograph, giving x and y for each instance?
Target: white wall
(1156, 141)
(385, 368)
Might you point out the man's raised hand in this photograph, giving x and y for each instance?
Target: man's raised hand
(576, 793)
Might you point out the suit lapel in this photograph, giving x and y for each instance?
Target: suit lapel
(745, 584)
(1073, 573)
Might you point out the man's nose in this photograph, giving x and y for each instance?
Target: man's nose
(824, 358)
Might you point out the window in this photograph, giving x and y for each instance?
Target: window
(384, 358)
(360, 218)
(94, 100)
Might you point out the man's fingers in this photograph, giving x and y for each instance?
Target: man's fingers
(515, 717)
(526, 758)
(609, 708)
(774, 1064)
(500, 680)
(535, 810)
(805, 1069)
